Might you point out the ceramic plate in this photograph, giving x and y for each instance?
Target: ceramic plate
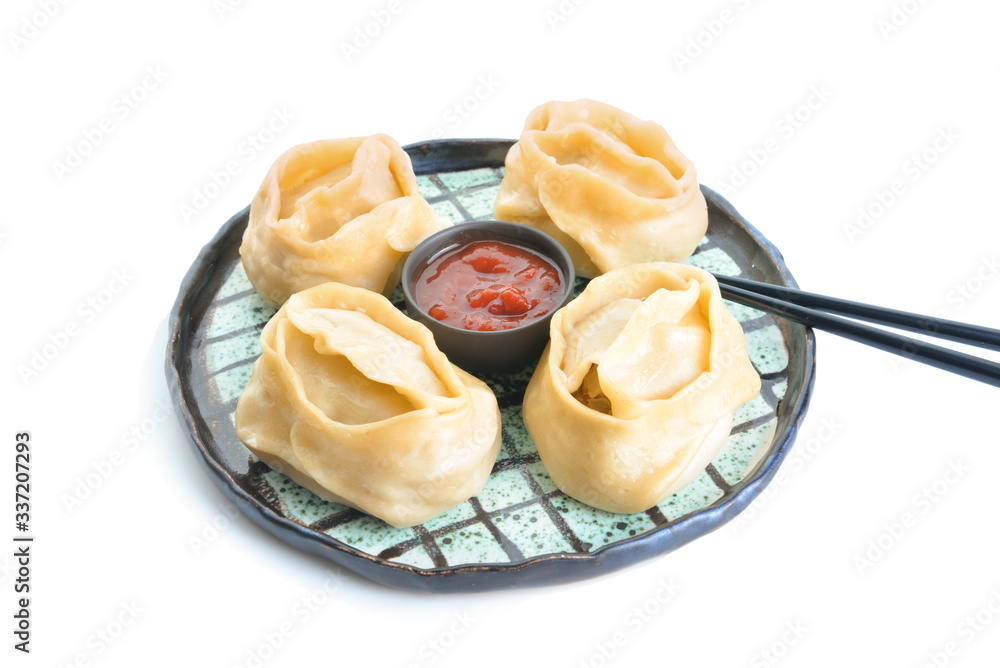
(520, 530)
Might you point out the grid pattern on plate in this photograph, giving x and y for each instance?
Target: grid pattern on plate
(520, 513)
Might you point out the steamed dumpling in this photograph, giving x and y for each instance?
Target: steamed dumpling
(345, 210)
(612, 189)
(636, 391)
(354, 401)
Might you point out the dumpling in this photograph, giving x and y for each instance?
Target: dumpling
(345, 210)
(636, 391)
(352, 400)
(612, 189)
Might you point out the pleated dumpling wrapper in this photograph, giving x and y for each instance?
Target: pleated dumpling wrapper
(354, 401)
(636, 391)
(344, 210)
(611, 188)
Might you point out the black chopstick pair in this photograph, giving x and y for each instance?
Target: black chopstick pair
(815, 311)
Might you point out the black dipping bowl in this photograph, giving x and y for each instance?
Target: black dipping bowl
(487, 352)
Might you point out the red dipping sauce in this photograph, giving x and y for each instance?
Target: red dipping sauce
(488, 286)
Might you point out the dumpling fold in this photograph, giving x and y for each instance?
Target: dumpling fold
(353, 400)
(344, 210)
(636, 391)
(613, 189)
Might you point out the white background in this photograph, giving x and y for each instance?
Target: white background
(877, 432)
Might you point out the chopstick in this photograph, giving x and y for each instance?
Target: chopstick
(808, 309)
(983, 337)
